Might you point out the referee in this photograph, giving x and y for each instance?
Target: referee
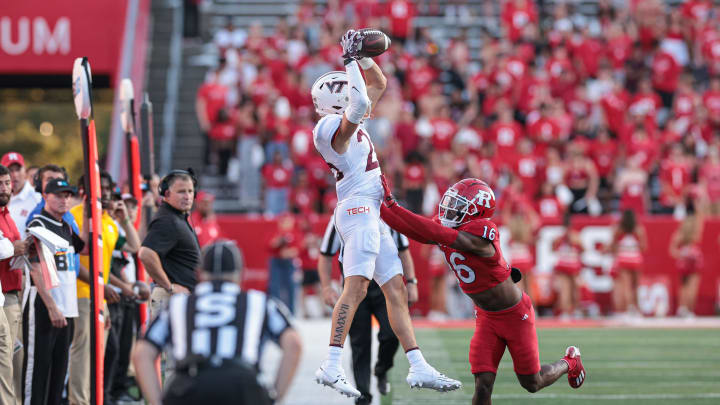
(373, 304)
(216, 337)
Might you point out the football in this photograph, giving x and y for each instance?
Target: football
(374, 43)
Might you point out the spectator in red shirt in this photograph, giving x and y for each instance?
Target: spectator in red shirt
(686, 99)
(665, 74)
(304, 197)
(582, 180)
(603, 152)
(711, 101)
(203, 219)
(548, 206)
(400, 14)
(309, 252)
(413, 184)
(614, 106)
(277, 176)
(674, 180)
(505, 132)
(645, 103)
(223, 137)
(527, 167)
(516, 15)
(210, 99)
(544, 131)
(561, 72)
(631, 184)
(443, 130)
(284, 248)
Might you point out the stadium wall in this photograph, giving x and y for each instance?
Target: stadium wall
(659, 283)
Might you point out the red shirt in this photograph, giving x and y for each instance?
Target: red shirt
(304, 199)
(633, 197)
(711, 101)
(215, 97)
(11, 279)
(506, 136)
(444, 130)
(400, 13)
(559, 71)
(665, 72)
(603, 155)
(615, 105)
(515, 19)
(587, 53)
(677, 176)
(527, 169)
(549, 208)
(414, 176)
(711, 52)
(544, 131)
(277, 176)
(419, 81)
(683, 104)
(207, 230)
(645, 105)
(317, 171)
(619, 49)
(474, 273)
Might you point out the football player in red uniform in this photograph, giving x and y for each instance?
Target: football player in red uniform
(505, 315)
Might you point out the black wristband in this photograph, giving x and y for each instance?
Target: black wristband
(411, 281)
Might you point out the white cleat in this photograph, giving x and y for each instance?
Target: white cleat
(335, 378)
(428, 377)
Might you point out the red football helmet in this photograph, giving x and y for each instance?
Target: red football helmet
(464, 201)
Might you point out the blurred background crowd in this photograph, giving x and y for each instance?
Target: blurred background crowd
(555, 109)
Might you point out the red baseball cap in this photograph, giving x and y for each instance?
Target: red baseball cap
(11, 158)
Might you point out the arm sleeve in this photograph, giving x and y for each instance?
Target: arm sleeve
(77, 242)
(160, 236)
(417, 227)
(357, 93)
(278, 319)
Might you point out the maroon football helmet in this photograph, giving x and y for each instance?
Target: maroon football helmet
(464, 201)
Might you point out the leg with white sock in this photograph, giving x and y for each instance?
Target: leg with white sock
(422, 374)
(331, 372)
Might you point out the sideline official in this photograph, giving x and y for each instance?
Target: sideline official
(216, 337)
(170, 251)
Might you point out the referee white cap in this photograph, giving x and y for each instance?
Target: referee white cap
(222, 257)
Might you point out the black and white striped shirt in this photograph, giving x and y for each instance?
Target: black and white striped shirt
(219, 321)
(331, 242)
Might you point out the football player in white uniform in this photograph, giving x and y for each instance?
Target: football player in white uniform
(344, 99)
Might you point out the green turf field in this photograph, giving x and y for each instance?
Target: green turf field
(624, 366)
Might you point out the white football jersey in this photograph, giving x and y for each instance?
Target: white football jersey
(357, 171)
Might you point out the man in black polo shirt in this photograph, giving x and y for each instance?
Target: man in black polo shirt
(170, 251)
(48, 315)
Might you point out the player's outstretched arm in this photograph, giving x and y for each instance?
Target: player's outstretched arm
(359, 102)
(428, 231)
(374, 79)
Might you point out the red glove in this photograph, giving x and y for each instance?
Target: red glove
(388, 198)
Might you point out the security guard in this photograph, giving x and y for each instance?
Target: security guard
(215, 337)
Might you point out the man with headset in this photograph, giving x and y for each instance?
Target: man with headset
(216, 338)
(170, 251)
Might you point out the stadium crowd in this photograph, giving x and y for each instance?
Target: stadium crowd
(596, 114)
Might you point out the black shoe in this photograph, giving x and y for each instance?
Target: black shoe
(364, 400)
(383, 384)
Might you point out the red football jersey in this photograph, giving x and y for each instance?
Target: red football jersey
(475, 273)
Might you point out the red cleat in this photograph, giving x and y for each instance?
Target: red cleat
(576, 371)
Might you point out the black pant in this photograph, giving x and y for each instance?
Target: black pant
(231, 384)
(119, 344)
(361, 339)
(46, 354)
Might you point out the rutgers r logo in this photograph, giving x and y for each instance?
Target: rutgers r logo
(483, 198)
(336, 86)
(358, 210)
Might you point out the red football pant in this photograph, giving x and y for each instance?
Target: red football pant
(513, 327)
